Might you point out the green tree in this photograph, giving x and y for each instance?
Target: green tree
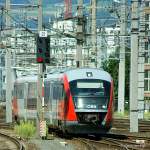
(112, 66)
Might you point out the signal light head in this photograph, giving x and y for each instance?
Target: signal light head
(43, 49)
(39, 59)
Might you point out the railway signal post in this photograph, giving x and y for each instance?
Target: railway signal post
(41, 69)
(42, 58)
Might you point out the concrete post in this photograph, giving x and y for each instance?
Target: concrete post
(8, 70)
(79, 60)
(134, 69)
(93, 28)
(141, 61)
(121, 83)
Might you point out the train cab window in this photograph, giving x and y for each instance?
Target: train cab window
(83, 87)
(92, 93)
(91, 87)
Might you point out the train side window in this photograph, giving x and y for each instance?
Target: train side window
(63, 94)
(15, 91)
(61, 91)
(55, 92)
(20, 91)
(51, 92)
(46, 92)
(32, 90)
(32, 95)
(58, 92)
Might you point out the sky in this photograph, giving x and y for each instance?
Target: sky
(51, 6)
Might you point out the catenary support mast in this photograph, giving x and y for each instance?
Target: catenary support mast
(40, 74)
(79, 58)
(93, 28)
(8, 68)
(121, 83)
(134, 68)
(141, 61)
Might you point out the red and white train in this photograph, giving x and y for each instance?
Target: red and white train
(77, 101)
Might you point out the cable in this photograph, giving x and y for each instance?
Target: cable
(27, 29)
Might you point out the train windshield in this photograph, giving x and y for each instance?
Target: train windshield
(93, 93)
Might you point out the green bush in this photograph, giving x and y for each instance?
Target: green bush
(25, 130)
(121, 115)
(147, 115)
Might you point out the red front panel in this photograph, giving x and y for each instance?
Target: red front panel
(66, 107)
(109, 114)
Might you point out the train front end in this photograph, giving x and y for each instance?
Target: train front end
(90, 101)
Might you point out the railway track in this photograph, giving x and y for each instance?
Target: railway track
(134, 142)
(118, 142)
(103, 144)
(6, 126)
(86, 143)
(124, 125)
(8, 143)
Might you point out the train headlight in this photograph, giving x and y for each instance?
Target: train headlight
(104, 106)
(80, 103)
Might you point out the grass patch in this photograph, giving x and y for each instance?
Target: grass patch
(25, 130)
(147, 115)
(121, 115)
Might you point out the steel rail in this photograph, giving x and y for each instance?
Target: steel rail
(14, 140)
(106, 142)
(87, 143)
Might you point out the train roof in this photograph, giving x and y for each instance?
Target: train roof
(33, 78)
(88, 73)
(81, 73)
(72, 74)
(29, 78)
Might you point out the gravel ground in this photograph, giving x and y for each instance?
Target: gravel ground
(54, 144)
